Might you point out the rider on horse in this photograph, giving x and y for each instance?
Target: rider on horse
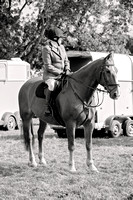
(55, 61)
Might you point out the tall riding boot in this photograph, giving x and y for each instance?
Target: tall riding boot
(48, 94)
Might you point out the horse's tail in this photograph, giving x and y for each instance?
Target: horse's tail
(26, 130)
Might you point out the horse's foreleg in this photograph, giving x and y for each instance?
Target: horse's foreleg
(70, 130)
(88, 129)
(42, 128)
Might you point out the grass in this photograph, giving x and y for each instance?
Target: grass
(113, 157)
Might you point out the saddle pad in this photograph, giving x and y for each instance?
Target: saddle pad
(40, 90)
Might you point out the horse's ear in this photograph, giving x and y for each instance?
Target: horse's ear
(109, 56)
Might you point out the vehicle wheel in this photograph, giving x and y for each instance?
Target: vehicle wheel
(115, 129)
(11, 123)
(128, 128)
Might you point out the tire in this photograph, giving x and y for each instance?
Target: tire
(11, 123)
(115, 129)
(128, 128)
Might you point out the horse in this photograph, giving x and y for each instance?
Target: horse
(75, 103)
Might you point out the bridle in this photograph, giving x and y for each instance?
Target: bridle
(107, 90)
(102, 74)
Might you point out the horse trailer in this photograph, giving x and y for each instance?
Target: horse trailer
(114, 117)
(13, 74)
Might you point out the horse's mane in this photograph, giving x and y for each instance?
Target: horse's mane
(89, 65)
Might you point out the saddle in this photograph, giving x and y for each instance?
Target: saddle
(40, 90)
(40, 93)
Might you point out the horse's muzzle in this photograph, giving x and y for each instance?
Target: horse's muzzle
(115, 93)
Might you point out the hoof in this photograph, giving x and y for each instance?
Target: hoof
(43, 162)
(32, 164)
(72, 169)
(92, 167)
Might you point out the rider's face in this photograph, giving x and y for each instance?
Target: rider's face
(59, 41)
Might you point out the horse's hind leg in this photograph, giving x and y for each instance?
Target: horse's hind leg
(29, 137)
(41, 130)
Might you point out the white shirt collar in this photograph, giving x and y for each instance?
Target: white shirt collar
(54, 44)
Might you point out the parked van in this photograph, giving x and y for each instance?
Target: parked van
(13, 74)
(115, 117)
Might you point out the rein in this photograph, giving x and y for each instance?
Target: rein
(79, 81)
(85, 104)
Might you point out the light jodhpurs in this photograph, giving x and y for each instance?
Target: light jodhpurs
(51, 84)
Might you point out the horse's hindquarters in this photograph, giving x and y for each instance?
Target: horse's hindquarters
(27, 95)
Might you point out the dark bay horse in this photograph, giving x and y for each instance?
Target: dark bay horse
(75, 106)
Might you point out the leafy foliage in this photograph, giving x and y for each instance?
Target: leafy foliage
(89, 25)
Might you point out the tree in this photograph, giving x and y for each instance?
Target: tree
(10, 26)
(89, 25)
(128, 5)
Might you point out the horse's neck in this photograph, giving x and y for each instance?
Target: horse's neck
(87, 83)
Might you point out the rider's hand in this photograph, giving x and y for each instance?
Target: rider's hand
(67, 72)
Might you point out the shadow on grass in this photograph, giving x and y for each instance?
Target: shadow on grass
(11, 137)
(100, 138)
(10, 170)
(80, 133)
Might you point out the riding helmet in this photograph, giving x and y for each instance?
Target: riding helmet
(54, 33)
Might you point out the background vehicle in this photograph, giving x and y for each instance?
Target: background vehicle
(13, 73)
(115, 117)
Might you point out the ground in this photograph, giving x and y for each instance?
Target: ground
(112, 156)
